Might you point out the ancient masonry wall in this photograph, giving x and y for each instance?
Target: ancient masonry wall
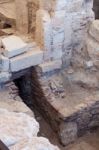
(68, 128)
(61, 27)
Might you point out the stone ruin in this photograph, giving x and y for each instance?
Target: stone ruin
(57, 59)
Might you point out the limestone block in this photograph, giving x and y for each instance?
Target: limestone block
(16, 126)
(50, 66)
(94, 30)
(58, 37)
(35, 143)
(4, 77)
(57, 24)
(68, 30)
(56, 52)
(92, 48)
(26, 60)
(4, 63)
(13, 46)
(79, 28)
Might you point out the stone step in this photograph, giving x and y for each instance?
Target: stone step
(70, 109)
(30, 58)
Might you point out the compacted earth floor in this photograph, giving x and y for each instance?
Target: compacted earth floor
(90, 141)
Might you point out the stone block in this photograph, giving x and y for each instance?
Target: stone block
(4, 77)
(56, 52)
(26, 60)
(13, 46)
(68, 132)
(50, 66)
(4, 63)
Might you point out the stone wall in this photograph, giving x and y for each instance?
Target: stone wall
(61, 27)
(46, 93)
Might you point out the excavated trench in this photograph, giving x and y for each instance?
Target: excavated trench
(30, 91)
(28, 85)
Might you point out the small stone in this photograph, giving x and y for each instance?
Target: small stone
(68, 132)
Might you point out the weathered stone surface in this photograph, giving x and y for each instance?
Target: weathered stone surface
(15, 106)
(4, 77)
(36, 143)
(66, 23)
(26, 60)
(50, 66)
(68, 132)
(84, 79)
(13, 46)
(4, 63)
(16, 126)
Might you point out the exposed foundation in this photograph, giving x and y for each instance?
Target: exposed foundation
(57, 67)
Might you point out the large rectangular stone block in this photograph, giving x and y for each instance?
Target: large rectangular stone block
(13, 46)
(50, 66)
(26, 60)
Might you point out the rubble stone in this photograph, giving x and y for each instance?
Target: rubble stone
(36, 143)
(16, 126)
